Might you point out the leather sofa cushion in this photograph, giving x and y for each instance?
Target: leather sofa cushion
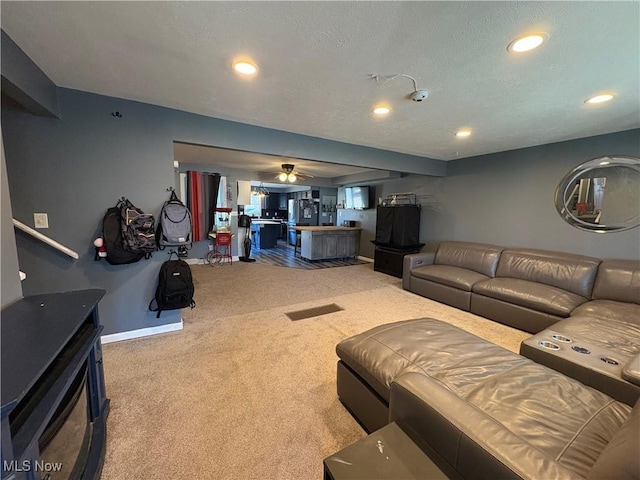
(522, 414)
(618, 280)
(574, 273)
(614, 335)
(478, 257)
(530, 294)
(381, 354)
(610, 310)
(456, 277)
(619, 459)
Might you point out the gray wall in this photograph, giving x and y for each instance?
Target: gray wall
(10, 282)
(23, 80)
(74, 167)
(508, 198)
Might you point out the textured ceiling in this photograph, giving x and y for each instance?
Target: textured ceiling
(316, 60)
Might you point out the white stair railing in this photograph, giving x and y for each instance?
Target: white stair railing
(45, 239)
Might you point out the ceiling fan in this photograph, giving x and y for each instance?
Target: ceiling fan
(289, 174)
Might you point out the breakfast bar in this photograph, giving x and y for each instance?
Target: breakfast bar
(325, 243)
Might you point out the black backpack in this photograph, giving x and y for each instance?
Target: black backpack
(112, 239)
(138, 229)
(175, 287)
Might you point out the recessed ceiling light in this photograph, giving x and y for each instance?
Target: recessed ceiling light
(245, 68)
(381, 110)
(527, 42)
(604, 97)
(463, 133)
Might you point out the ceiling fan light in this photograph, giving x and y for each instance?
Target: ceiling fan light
(292, 177)
(282, 177)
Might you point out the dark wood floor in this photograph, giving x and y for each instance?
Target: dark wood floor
(282, 256)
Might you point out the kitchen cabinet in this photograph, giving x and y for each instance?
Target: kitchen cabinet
(272, 202)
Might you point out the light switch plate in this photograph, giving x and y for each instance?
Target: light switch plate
(41, 220)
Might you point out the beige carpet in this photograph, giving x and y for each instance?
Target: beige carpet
(243, 392)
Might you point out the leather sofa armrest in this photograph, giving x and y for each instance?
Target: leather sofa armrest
(631, 371)
(443, 424)
(414, 260)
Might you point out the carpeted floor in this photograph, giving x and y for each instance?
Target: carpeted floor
(243, 392)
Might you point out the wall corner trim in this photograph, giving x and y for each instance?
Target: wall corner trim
(142, 332)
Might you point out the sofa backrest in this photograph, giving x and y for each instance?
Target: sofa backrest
(618, 280)
(574, 273)
(478, 257)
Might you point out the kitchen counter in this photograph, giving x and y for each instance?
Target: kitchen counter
(265, 232)
(325, 243)
(264, 221)
(325, 229)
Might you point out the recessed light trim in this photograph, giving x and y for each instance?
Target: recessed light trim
(464, 133)
(526, 43)
(600, 98)
(245, 67)
(382, 110)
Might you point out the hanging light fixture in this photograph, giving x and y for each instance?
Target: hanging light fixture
(261, 191)
(288, 174)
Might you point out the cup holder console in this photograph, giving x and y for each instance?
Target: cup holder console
(549, 345)
(561, 338)
(582, 350)
(609, 360)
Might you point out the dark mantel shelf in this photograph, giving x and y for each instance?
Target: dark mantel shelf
(34, 331)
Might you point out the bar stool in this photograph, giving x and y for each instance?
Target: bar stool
(299, 237)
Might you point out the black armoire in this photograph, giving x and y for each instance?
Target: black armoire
(397, 234)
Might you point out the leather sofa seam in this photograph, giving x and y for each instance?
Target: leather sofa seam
(584, 425)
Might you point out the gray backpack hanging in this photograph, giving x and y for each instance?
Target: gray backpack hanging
(174, 224)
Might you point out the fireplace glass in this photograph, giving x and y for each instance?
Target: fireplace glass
(64, 444)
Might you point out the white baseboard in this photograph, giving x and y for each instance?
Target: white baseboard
(142, 332)
(365, 259)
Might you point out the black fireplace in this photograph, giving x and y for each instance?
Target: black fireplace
(54, 406)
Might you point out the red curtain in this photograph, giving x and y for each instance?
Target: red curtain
(202, 194)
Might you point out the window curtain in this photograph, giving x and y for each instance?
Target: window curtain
(202, 195)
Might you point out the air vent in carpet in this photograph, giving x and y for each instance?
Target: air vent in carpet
(314, 312)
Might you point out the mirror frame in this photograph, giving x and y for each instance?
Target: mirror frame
(569, 181)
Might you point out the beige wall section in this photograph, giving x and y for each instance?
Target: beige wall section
(10, 285)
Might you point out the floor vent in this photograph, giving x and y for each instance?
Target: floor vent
(314, 312)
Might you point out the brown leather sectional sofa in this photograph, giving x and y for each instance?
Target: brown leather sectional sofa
(525, 288)
(480, 411)
(585, 311)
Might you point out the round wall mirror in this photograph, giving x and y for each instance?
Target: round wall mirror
(601, 195)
